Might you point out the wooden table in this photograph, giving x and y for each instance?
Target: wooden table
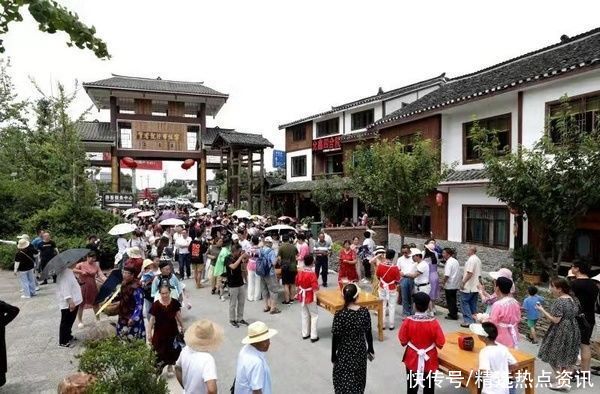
(452, 358)
(332, 300)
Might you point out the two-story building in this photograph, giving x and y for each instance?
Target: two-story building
(515, 97)
(315, 144)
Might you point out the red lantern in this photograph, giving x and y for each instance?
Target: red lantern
(133, 165)
(439, 199)
(187, 164)
(129, 162)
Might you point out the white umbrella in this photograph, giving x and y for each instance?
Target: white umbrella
(172, 222)
(198, 205)
(131, 211)
(204, 211)
(145, 214)
(279, 228)
(241, 214)
(257, 217)
(282, 218)
(122, 228)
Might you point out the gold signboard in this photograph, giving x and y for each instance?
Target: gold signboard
(163, 136)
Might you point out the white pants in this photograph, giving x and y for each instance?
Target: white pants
(253, 286)
(309, 320)
(389, 298)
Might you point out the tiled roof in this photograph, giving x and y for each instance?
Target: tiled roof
(465, 176)
(306, 186)
(440, 79)
(360, 136)
(274, 181)
(571, 54)
(95, 131)
(122, 82)
(211, 134)
(246, 139)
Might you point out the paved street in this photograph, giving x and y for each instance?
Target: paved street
(37, 364)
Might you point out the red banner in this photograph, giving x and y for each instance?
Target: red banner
(146, 164)
(327, 143)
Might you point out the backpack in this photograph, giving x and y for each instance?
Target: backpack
(263, 264)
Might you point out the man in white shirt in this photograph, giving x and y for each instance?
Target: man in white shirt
(253, 374)
(421, 272)
(195, 368)
(495, 361)
(407, 267)
(469, 291)
(370, 245)
(182, 243)
(68, 293)
(452, 280)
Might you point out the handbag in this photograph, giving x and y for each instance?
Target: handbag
(178, 342)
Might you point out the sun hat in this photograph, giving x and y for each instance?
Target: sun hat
(596, 278)
(134, 253)
(379, 250)
(477, 329)
(23, 243)
(371, 231)
(235, 237)
(203, 336)
(24, 236)
(502, 272)
(258, 332)
(146, 263)
(415, 251)
(268, 240)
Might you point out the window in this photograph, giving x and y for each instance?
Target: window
(486, 225)
(499, 124)
(585, 113)
(421, 224)
(334, 164)
(298, 133)
(298, 166)
(362, 119)
(328, 127)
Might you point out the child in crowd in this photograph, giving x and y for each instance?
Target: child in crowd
(422, 335)
(494, 360)
(307, 284)
(532, 314)
(389, 275)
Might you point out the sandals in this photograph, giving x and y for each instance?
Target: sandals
(267, 310)
(275, 311)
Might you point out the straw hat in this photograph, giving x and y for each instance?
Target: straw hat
(146, 263)
(477, 329)
(203, 336)
(415, 251)
(23, 243)
(258, 332)
(24, 236)
(502, 272)
(134, 253)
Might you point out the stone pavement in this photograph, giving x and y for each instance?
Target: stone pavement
(37, 364)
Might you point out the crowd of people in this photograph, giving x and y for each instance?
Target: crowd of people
(241, 262)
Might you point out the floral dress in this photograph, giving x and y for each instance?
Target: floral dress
(560, 346)
(352, 339)
(131, 308)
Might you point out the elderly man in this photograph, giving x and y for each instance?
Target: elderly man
(182, 243)
(468, 288)
(253, 375)
(322, 251)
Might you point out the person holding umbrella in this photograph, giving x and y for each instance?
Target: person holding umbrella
(69, 297)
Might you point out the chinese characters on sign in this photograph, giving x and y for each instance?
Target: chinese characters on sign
(278, 159)
(159, 136)
(327, 143)
(117, 200)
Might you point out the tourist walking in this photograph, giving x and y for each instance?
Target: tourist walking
(220, 271)
(87, 272)
(389, 276)
(352, 344)
(149, 272)
(7, 314)
(253, 278)
(68, 293)
(560, 345)
(182, 245)
(211, 260)
(451, 282)
(430, 256)
(347, 260)
(367, 253)
(469, 287)
(48, 250)
(130, 322)
(166, 277)
(196, 369)
(307, 284)
(378, 258)
(265, 268)
(164, 327)
(407, 268)
(235, 283)
(322, 251)
(355, 246)
(197, 249)
(505, 313)
(531, 313)
(24, 266)
(289, 268)
(253, 374)
(422, 335)
(303, 249)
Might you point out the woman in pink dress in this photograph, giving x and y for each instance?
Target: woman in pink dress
(87, 272)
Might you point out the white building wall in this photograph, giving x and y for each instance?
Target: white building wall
(535, 99)
(377, 114)
(337, 115)
(475, 195)
(288, 165)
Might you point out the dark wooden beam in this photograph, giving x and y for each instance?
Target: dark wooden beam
(152, 118)
(164, 155)
(519, 118)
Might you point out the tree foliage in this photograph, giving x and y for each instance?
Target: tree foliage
(553, 183)
(52, 17)
(395, 177)
(329, 194)
(175, 188)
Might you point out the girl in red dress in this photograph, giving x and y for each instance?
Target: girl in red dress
(347, 263)
(307, 284)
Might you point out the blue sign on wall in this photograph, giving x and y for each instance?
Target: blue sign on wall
(278, 159)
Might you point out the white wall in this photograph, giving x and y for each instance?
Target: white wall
(377, 114)
(337, 115)
(535, 99)
(453, 119)
(288, 165)
(476, 195)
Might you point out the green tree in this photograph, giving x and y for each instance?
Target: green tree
(175, 188)
(52, 17)
(221, 181)
(554, 183)
(328, 194)
(395, 178)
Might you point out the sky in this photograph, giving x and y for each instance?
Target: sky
(281, 60)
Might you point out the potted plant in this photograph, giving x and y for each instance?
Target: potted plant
(527, 265)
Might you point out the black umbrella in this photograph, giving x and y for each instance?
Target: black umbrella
(110, 284)
(63, 260)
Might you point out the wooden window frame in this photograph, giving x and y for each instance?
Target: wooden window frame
(298, 133)
(337, 119)
(465, 125)
(580, 97)
(352, 115)
(292, 175)
(325, 163)
(464, 225)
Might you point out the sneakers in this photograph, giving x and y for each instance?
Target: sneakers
(24, 296)
(244, 322)
(234, 323)
(68, 344)
(223, 298)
